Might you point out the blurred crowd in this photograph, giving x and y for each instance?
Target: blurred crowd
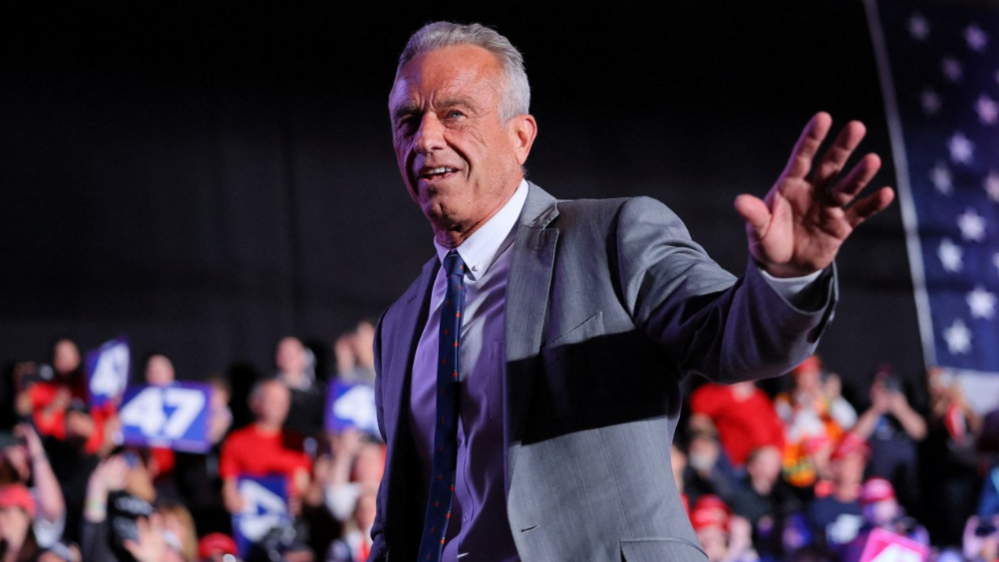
(800, 470)
(71, 492)
(809, 473)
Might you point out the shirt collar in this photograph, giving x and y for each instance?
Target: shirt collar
(481, 249)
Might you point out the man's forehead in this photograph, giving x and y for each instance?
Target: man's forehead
(445, 72)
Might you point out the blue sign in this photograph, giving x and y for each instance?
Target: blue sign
(174, 416)
(265, 506)
(107, 370)
(351, 405)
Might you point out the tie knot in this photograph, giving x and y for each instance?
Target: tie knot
(453, 264)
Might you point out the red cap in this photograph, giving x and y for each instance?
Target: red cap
(709, 511)
(813, 363)
(17, 495)
(875, 490)
(849, 444)
(214, 543)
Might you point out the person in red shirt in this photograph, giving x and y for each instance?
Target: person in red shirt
(264, 448)
(45, 394)
(743, 415)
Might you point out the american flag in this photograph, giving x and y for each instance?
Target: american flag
(939, 67)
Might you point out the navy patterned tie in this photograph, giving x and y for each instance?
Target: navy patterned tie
(446, 425)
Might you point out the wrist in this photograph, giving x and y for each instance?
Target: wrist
(97, 491)
(95, 509)
(787, 271)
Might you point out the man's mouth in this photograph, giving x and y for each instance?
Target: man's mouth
(437, 172)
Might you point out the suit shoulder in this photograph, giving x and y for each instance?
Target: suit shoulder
(624, 211)
(612, 206)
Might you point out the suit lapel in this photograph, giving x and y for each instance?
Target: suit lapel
(526, 303)
(402, 327)
(406, 336)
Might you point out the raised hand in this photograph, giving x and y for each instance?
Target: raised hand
(813, 208)
(31, 440)
(151, 545)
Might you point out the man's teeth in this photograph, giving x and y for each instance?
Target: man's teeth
(440, 170)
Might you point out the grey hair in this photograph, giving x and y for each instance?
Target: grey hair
(516, 100)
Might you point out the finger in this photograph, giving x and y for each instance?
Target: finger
(855, 181)
(808, 145)
(155, 521)
(869, 206)
(132, 547)
(836, 156)
(755, 212)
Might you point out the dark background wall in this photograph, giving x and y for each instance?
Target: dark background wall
(207, 178)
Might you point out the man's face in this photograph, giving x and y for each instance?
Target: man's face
(273, 402)
(159, 371)
(766, 464)
(290, 356)
(14, 523)
(882, 512)
(849, 471)
(65, 357)
(460, 162)
(714, 541)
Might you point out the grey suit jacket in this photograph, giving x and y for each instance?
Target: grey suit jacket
(609, 305)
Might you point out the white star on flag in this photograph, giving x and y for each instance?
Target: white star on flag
(958, 337)
(976, 38)
(930, 101)
(918, 27)
(940, 176)
(972, 225)
(982, 303)
(991, 185)
(951, 69)
(960, 148)
(950, 255)
(987, 110)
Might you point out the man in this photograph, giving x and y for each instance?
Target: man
(264, 447)
(762, 496)
(575, 323)
(836, 517)
(743, 415)
(296, 369)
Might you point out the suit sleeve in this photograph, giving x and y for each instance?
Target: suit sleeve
(724, 328)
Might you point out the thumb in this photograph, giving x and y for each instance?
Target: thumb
(755, 212)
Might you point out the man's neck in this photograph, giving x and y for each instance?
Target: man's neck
(451, 234)
(762, 486)
(267, 428)
(847, 492)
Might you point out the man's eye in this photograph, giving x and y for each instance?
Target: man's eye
(407, 125)
(455, 114)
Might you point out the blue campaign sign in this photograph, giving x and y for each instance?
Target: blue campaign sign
(107, 370)
(174, 416)
(351, 405)
(265, 506)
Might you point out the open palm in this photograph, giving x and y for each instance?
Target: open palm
(800, 225)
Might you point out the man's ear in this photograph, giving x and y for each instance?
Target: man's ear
(522, 129)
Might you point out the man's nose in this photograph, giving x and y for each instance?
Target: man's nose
(430, 136)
